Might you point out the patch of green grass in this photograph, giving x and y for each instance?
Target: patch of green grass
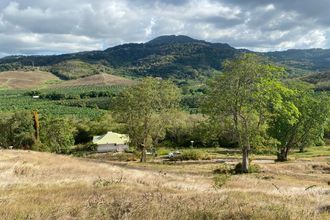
(316, 151)
(220, 180)
(194, 155)
(164, 151)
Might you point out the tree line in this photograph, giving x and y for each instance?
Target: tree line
(248, 105)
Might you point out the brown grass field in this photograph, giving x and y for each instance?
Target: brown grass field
(97, 80)
(40, 79)
(38, 185)
(25, 80)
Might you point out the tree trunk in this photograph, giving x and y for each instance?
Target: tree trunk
(143, 155)
(245, 161)
(283, 154)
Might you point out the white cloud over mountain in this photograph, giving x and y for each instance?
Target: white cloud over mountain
(50, 26)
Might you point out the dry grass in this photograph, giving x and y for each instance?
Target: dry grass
(97, 80)
(45, 186)
(25, 80)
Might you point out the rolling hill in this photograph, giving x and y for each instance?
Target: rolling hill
(102, 79)
(170, 56)
(321, 80)
(25, 79)
(166, 56)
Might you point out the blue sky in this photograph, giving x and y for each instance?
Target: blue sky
(53, 27)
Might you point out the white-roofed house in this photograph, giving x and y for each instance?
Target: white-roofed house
(111, 142)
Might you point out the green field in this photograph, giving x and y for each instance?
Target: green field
(70, 103)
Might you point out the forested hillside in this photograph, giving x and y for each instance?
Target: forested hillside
(167, 56)
(170, 56)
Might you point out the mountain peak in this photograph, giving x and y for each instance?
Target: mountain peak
(170, 39)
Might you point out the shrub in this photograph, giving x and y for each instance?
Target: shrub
(253, 168)
(40, 147)
(223, 169)
(86, 147)
(220, 180)
(193, 155)
(163, 151)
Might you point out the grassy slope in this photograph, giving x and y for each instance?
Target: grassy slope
(25, 80)
(74, 69)
(35, 185)
(102, 79)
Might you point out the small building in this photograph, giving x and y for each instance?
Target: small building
(111, 142)
(35, 97)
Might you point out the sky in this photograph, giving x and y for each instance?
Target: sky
(65, 26)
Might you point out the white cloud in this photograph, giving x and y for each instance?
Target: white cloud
(52, 26)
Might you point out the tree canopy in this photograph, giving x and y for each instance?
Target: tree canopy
(244, 92)
(144, 107)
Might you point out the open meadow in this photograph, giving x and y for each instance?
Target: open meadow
(26, 79)
(37, 185)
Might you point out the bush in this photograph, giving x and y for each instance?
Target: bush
(253, 168)
(220, 180)
(223, 169)
(163, 151)
(40, 147)
(193, 155)
(86, 147)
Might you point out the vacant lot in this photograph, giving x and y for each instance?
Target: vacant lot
(46, 186)
(25, 80)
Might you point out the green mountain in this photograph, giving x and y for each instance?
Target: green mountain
(170, 56)
(312, 60)
(321, 80)
(166, 56)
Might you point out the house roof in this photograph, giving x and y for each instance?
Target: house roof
(111, 138)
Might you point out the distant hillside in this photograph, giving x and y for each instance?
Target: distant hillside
(320, 80)
(96, 80)
(309, 60)
(25, 80)
(74, 69)
(166, 56)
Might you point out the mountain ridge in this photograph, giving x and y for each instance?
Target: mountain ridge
(168, 56)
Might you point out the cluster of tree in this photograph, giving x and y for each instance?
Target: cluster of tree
(248, 104)
(52, 134)
(62, 96)
(146, 110)
(10, 66)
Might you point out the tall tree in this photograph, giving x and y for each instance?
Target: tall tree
(143, 108)
(56, 134)
(22, 130)
(243, 93)
(5, 132)
(302, 128)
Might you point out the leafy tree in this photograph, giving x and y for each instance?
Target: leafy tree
(184, 127)
(86, 128)
(143, 108)
(301, 128)
(22, 130)
(57, 134)
(243, 93)
(5, 132)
